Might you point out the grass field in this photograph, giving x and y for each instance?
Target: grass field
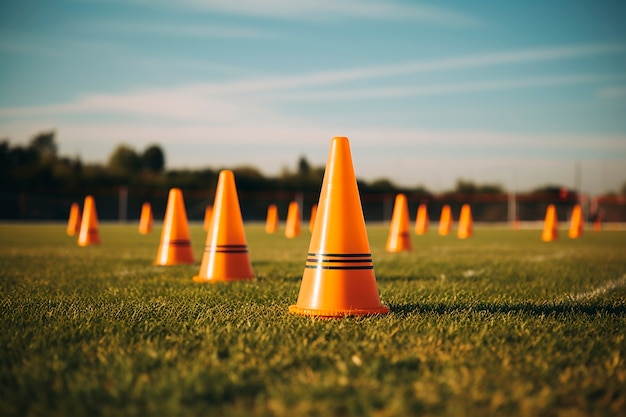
(500, 324)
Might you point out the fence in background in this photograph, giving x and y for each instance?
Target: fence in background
(123, 204)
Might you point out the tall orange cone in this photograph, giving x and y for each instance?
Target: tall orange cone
(89, 234)
(466, 222)
(226, 252)
(445, 221)
(313, 214)
(292, 227)
(399, 238)
(73, 222)
(208, 213)
(271, 222)
(175, 247)
(421, 220)
(338, 278)
(550, 225)
(576, 223)
(146, 220)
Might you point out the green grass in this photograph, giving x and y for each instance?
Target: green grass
(500, 324)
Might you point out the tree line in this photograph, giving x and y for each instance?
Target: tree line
(37, 166)
(37, 182)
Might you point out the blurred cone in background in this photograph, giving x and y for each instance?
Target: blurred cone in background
(73, 222)
(208, 214)
(225, 255)
(399, 238)
(576, 223)
(146, 220)
(175, 247)
(338, 278)
(466, 222)
(445, 221)
(313, 214)
(597, 223)
(292, 227)
(88, 234)
(550, 225)
(421, 220)
(271, 222)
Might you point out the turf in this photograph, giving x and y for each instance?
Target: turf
(499, 324)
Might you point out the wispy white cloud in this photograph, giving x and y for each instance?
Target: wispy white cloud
(251, 99)
(614, 92)
(317, 10)
(168, 29)
(447, 89)
(386, 71)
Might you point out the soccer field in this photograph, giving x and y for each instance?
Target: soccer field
(498, 324)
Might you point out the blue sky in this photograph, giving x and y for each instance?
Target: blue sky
(515, 93)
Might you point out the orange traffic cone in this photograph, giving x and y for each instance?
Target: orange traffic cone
(271, 222)
(576, 223)
(208, 213)
(292, 227)
(399, 237)
(421, 221)
(146, 220)
(550, 225)
(88, 234)
(597, 223)
(226, 252)
(73, 222)
(338, 278)
(466, 222)
(313, 214)
(175, 247)
(445, 221)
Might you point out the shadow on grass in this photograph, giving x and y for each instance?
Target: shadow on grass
(524, 308)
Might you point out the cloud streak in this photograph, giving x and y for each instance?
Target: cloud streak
(164, 29)
(250, 102)
(326, 10)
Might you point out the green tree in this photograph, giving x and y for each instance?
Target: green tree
(44, 145)
(124, 161)
(153, 159)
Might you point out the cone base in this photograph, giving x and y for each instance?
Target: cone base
(85, 244)
(204, 280)
(175, 262)
(337, 313)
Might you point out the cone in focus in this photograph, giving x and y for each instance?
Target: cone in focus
(225, 255)
(399, 238)
(208, 214)
(576, 223)
(338, 278)
(271, 222)
(445, 221)
(466, 222)
(73, 222)
(292, 227)
(88, 234)
(550, 225)
(313, 214)
(175, 247)
(146, 220)
(421, 220)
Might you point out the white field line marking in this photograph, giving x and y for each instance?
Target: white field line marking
(605, 289)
